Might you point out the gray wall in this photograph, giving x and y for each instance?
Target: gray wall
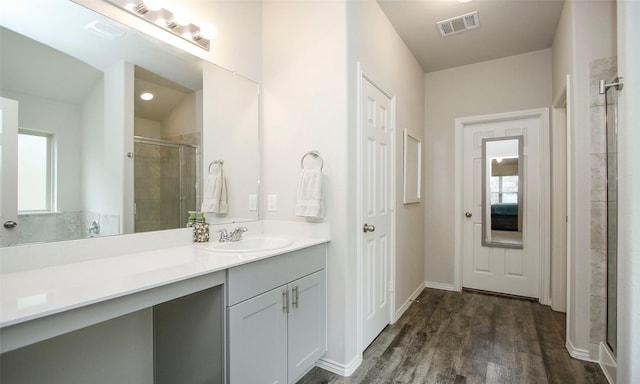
(509, 84)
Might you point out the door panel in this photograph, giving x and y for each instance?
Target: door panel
(8, 170)
(376, 210)
(258, 328)
(307, 336)
(504, 270)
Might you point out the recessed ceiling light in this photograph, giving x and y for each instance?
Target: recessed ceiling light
(464, 1)
(147, 96)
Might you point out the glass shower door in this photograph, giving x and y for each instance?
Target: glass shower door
(164, 184)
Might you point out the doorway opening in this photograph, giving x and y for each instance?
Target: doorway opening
(536, 216)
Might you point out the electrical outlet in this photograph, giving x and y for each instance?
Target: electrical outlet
(271, 202)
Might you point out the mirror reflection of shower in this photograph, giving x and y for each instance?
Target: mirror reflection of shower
(166, 152)
(611, 127)
(165, 183)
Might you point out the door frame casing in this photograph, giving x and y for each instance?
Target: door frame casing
(560, 247)
(365, 75)
(9, 111)
(542, 114)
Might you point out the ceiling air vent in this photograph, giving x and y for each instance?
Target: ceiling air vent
(104, 30)
(458, 24)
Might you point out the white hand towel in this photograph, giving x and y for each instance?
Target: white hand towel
(310, 197)
(215, 194)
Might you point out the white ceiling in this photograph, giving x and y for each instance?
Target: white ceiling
(167, 95)
(66, 33)
(507, 28)
(32, 68)
(58, 59)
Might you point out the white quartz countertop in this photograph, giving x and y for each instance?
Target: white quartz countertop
(31, 294)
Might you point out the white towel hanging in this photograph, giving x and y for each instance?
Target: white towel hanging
(310, 202)
(215, 192)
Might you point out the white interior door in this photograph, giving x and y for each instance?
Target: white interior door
(8, 171)
(505, 270)
(376, 210)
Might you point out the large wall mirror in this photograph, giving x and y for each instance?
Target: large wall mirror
(109, 162)
(502, 192)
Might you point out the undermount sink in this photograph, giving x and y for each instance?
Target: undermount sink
(256, 244)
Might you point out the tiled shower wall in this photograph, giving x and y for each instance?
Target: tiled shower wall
(60, 226)
(604, 69)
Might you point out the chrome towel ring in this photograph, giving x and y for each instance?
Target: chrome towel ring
(219, 163)
(315, 154)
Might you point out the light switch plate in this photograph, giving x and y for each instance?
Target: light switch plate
(271, 202)
(253, 202)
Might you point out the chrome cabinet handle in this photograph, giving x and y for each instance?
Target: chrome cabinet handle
(10, 224)
(468, 214)
(368, 228)
(294, 300)
(285, 300)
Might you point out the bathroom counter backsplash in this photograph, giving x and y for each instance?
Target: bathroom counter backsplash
(29, 291)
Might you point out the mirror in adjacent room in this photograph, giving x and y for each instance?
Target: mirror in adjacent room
(502, 192)
(78, 89)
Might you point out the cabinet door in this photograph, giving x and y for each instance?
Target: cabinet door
(258, 339)
(307, 340)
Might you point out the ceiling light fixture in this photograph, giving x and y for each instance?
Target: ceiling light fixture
(147, 96)
(154, 12)
(464, 1)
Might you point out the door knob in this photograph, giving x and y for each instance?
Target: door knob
(368, 228)
(468, 214)
(10, 224)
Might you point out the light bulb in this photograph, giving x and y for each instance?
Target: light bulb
(153, 5)
(181, 17)
(147, 96)
(131, 6)
(208, 31)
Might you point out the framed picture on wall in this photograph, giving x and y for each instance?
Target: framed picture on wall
(412, 168)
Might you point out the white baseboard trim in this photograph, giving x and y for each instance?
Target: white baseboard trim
(577, 353)
(442, 286)
(608, 364)
(407, 303)
(340, 369)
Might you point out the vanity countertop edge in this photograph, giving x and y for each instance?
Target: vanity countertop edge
(33, 295)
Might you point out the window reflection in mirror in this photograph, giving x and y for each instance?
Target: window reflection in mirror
(502, 187)
(35, 166)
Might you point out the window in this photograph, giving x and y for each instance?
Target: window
(35, 169)
(504, 189)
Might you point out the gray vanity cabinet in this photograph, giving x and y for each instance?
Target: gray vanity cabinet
(277, 317)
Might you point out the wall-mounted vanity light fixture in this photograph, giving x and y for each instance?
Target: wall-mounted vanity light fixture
(177, 22)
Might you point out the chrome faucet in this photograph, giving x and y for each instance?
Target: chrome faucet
(236, 235)
(94, 229)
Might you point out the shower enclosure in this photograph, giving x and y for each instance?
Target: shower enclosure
(610, 91)
(164, 183)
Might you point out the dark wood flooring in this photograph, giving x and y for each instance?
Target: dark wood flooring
(469, 337)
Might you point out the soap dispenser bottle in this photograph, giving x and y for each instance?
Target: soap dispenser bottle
(200, 229)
